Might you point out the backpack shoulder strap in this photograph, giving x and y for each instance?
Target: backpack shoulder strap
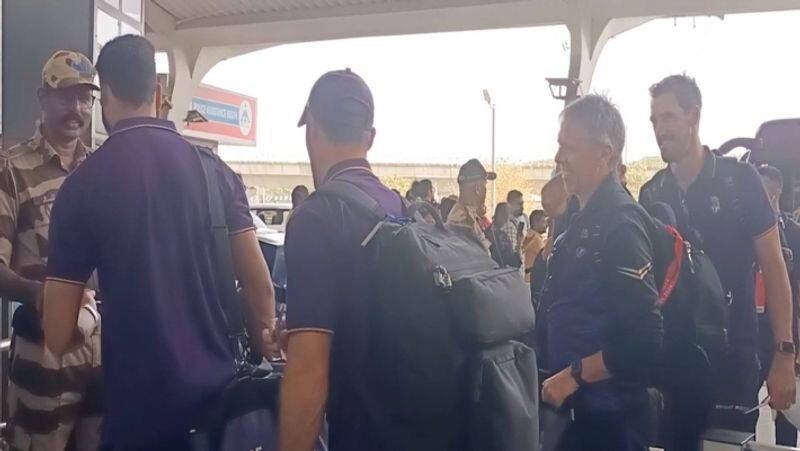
(730, 191)
(223, 258)
(351, 194)
(354, 196)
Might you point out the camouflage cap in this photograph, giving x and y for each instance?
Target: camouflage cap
(66, 68)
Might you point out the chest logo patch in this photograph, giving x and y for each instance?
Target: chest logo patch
(581, 252)
(715, 206)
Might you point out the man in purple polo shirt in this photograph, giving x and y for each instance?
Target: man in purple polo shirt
(328, 277)
(137, 210)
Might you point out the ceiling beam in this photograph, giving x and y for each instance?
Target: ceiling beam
(496, 14)
(391, 7)
(661, 8)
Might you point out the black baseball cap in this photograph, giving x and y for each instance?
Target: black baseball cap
(473, 171)
(343, 98)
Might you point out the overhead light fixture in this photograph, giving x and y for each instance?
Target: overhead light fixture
(560, 87)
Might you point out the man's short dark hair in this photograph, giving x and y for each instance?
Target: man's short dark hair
(536, 215)
(421, 188)
(513, 195)
(298, 191)
(500, 207)
(412, 192)
(447, 205)
(683, 87)
(127, 65)
(771, 173)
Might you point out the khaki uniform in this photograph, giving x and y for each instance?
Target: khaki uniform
(49, 397)
(467, 215)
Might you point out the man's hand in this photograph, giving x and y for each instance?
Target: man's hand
(270, 342)
(780, 382)
(558, 388)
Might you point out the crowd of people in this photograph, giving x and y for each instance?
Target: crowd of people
(126, 226)
(515, 238)
(603, 325)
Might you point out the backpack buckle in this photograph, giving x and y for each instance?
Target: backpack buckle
(441, 278)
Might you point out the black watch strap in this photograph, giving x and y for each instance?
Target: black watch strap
(786, 347)
(575, 370)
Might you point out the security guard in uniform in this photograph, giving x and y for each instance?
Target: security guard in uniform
(54, 403)
(603, 326)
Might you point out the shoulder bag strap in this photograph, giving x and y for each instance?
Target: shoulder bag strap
(223, 258)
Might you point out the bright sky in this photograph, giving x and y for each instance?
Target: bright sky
(428, 88)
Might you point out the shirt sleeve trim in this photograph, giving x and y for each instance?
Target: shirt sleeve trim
(310, 329)
(238, 232)
(766, 232)
(71, 282)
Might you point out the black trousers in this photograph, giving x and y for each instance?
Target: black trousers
(785, 432)
(686, 415)
(737, 380)
(629, 430)
(687, 387)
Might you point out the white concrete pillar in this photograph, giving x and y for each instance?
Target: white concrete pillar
(589, 31)
(183, 82)
(188, 66)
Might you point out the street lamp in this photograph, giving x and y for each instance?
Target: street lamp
(488, 99)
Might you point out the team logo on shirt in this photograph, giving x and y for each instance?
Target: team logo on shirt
(729, 182)
(715, 204)
(634, 273)
(581, 252)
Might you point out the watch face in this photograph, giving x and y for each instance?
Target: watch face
(786, 347)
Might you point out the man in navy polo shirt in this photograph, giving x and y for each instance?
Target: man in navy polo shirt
(720, 205)
(328, 277)
(137, 210)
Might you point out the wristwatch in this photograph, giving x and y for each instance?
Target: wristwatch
(575, 370)
(785, 347)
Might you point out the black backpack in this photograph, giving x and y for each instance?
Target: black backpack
(691, 298)
(445, 368)
(693, 303)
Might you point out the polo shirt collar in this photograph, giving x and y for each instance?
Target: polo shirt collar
(346, 165)
(139, 122)
(709, 165)
(708, 171)
(608, 190)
